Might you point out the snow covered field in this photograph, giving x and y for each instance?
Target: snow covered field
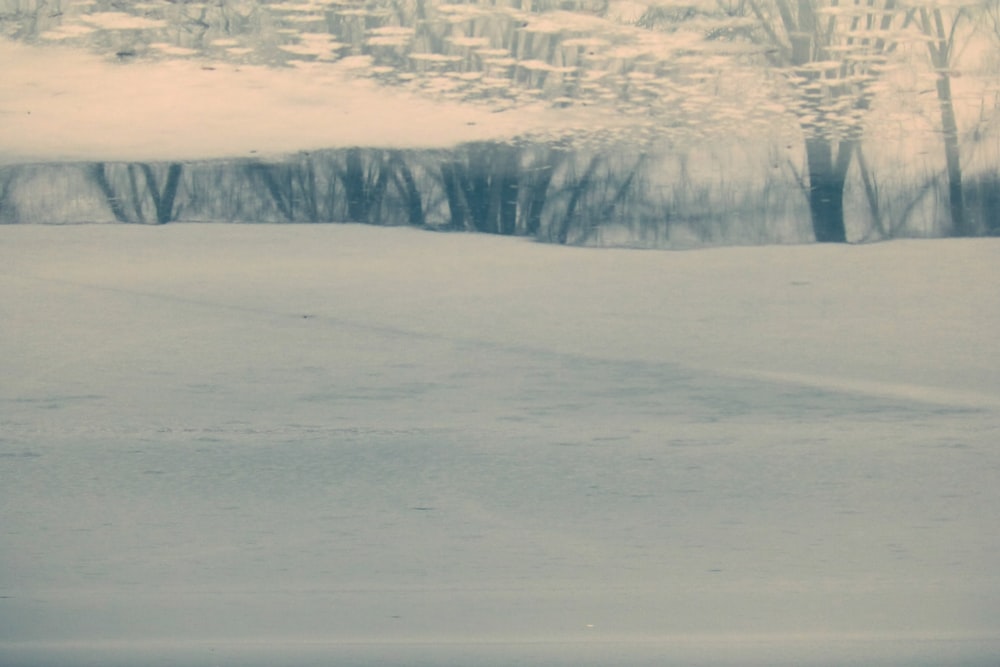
(306, 445)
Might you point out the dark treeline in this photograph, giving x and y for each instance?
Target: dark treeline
(545, 191)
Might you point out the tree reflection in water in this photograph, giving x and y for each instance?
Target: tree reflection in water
(549, 192)
(700, 152)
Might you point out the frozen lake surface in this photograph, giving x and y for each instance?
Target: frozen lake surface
(307, 445)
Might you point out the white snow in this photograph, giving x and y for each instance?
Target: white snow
(250, 445)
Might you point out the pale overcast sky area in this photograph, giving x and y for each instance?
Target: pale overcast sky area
(505, 333)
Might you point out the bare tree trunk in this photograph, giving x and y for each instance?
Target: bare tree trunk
(375, 194)
(820, 49)
(354, 183)
(457, 207)
(826, 188)
(169, 196)
(163, 202)
(579, 190)
(100, 174)
(952, 156)
(941, 51)
(538, 192)
(503, 185)
(871, 195)
(989, 194)
(408, 187)
(281, 196)
(476, 187)
(309, 187)
(136, 198)
(7, 177)
(508, 202)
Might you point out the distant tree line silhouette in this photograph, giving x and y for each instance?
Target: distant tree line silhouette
(546, 191)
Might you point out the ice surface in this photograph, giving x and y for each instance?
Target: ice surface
(337, 444)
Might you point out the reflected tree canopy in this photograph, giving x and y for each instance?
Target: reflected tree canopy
(549, 192)
(736, 121)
